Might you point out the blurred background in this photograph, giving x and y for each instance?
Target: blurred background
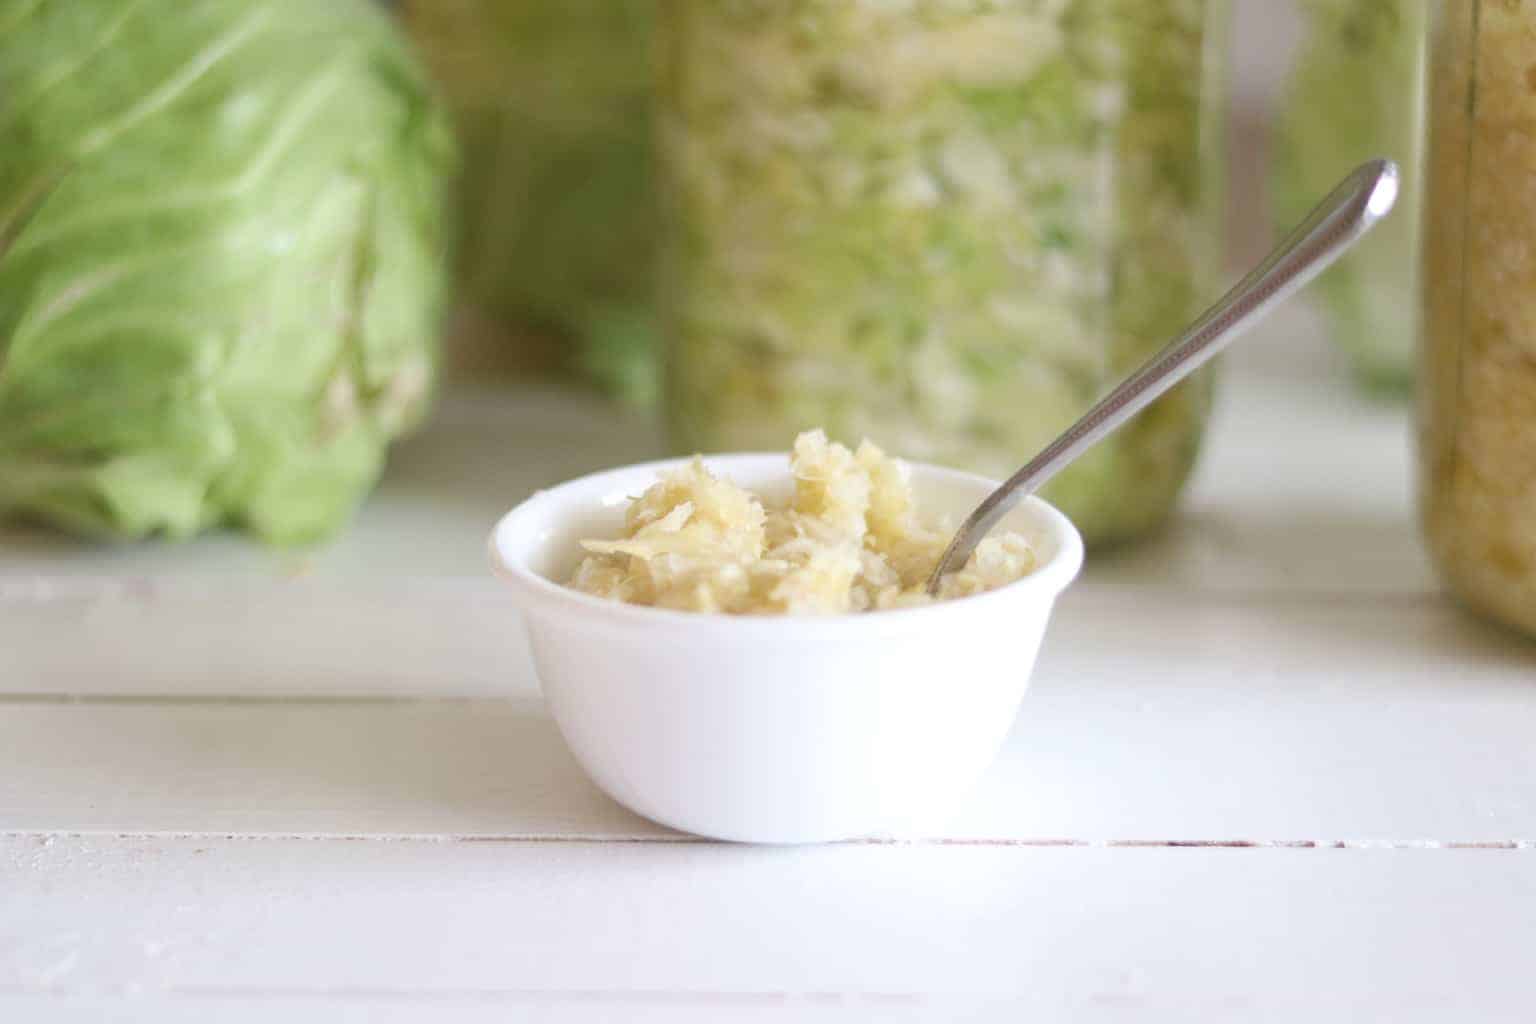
(1286, 58)
(946, 231)
(298, 297)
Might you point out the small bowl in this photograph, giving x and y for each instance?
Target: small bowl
(778, 729)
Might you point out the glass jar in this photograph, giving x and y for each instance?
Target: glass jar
(1478, 391)
(944, 225)
(1356, 91)
(556, 195)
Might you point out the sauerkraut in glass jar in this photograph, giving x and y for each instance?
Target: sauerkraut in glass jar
(1478, 402)
(1355, 93)
(556, 199)
(945, 225)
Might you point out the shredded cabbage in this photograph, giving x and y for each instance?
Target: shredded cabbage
(1357, 92)
(557, 204)
(947, 226)
(850, 540)
(1478, 484)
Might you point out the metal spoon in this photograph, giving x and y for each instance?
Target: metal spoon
(1339, 222)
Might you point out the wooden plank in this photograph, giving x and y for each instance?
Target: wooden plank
(1163, 934)
(1279, 721)
(389, 637)
(403, 604)
(383, 768)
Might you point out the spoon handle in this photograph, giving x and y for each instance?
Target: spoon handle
(1339, 221)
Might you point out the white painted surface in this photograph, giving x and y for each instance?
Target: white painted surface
(602, 931)
(200, 820)
(257, 842)
(1281, 720)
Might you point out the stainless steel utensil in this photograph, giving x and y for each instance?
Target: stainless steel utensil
(1339, 222)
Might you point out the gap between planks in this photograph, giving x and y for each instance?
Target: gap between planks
(707, 998)
(49, 835)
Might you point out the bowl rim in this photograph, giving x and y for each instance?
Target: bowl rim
(536, 591)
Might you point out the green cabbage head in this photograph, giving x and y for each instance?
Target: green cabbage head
(221, 261)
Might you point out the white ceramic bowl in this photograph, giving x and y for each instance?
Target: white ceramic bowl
(778, 729)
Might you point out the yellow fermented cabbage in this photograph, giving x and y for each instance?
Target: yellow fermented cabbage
(849, 540)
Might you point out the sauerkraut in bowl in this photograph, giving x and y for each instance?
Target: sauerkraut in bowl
(781, 728)
(823, 537)
(850, 538)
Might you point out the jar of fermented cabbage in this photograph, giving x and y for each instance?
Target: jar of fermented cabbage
(556, 198)
(1478, 408)
(944, 225)
(1355, 92)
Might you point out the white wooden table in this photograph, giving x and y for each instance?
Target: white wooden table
(1265, 772)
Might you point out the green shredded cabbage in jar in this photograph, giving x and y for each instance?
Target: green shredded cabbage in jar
(1357, 92)
(556, 201)
(947, 226)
